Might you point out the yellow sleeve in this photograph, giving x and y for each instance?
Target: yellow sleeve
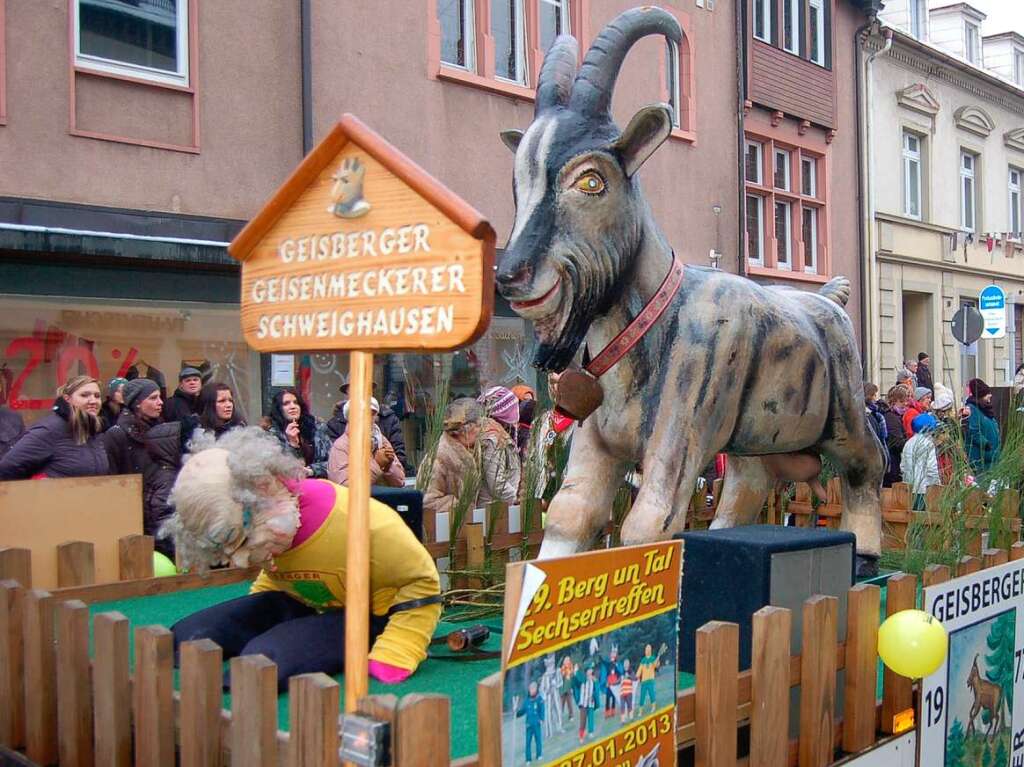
(399, 562)
(262, 583)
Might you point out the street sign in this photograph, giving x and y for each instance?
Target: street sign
(992, 303)
(967, 325)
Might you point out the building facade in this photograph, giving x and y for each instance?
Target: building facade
(800, 144)
(137, 149)
(945, 131)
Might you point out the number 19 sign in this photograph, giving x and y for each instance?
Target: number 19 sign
(972, 708)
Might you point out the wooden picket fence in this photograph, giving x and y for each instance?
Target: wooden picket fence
(62, 707)
(76, 562)
(897, 512)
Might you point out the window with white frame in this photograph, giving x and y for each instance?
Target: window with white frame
(809, 238)
(912, 166)
(763, 20)
(672, 81)
(917, 12)
(968, 191)
(791, 26)
(145, 39)
(554, 21)
(782, 169)
(783, 234)
(755, 229)
(458, 39)
(809, 176)
(972, 43)
(816, 31)
(1015, 201)
(1018, 67)
(753, 162)
(508, 28)
(785, 207)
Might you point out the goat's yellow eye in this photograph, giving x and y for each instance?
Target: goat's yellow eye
(590, 183)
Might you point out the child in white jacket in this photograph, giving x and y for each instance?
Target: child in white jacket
(920, 462)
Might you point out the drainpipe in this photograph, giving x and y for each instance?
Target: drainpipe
(870, 339)
(741, 96)
(306, 46)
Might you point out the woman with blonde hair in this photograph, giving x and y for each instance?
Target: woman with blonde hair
(67, 442)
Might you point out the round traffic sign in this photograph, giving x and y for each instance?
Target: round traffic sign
(967, 325)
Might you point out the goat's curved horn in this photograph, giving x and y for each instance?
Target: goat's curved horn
(592, 92)
(556, 75)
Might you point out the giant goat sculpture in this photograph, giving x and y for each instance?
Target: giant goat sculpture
(762, 373)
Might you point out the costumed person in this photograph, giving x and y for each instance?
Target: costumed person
(299, 431)
(185, 400)
(113, 402)
(456, 456)
(242, 500)
(66, 443)
(587, 702)
(217, 411)
(646, 672)
(499, 458)
(567, 697)
(626, 693)
(140, 444)
(532, 707)
(920, 460)
(611, 678)
(983, 444)
(385, 468)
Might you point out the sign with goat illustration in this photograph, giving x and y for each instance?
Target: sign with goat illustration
(972, 709)
(360, 249)
(590, 652)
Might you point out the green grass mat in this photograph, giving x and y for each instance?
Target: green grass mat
(456, 679)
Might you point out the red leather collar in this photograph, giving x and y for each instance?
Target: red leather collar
(634, 331)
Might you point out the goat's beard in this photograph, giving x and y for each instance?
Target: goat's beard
(590, 284)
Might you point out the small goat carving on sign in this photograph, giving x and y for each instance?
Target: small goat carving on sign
(691, 361)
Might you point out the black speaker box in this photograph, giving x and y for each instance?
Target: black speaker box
(730, 574)
(407, 501)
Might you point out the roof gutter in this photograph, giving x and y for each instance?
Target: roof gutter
(306, 47)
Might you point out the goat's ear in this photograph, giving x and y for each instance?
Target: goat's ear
(511, 139)
(645, 133)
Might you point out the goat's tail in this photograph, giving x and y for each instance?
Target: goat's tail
(837, 289)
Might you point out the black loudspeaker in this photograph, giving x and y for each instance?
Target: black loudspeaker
(730, 574)
(407, 501)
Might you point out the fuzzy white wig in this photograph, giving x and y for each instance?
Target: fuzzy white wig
(229, 503)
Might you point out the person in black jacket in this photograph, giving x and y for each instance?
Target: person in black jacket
(217, 411)
(892, 411)
(388, 421)
(924, 372)
(12, 426)
(67, 443)
(140, 444)
(300, 433)
(185, 400)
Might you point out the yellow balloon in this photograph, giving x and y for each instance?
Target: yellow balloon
(912, 643)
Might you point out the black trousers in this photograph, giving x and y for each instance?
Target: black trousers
(295, 637)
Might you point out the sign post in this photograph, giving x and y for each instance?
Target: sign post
(992, 304)
(362, 250)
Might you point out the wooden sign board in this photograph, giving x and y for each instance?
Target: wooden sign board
(361, 249)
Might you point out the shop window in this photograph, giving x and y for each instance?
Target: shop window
(787, 225)
(142, 39)
(43, 342)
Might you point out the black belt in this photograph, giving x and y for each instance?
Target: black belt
(412, 604)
